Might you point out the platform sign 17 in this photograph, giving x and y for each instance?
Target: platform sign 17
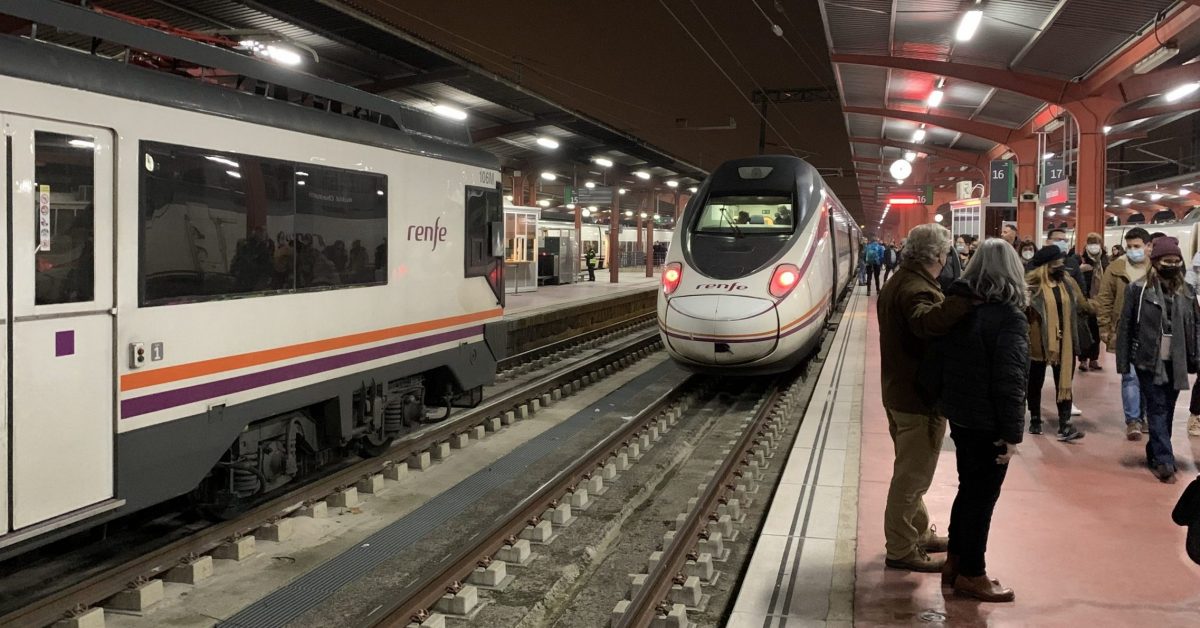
(1056, 188)
(43, 218)
(1002, 182)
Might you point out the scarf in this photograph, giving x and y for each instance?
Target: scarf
(1058, 335)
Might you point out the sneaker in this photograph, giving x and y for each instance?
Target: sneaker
(1095, 366)
(1035, 426)
(1165, 474)
(1068, 432)
(1133, 430)
(919, 561)
(1194, 425)
(1076, 411)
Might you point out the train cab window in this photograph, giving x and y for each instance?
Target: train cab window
(747, 215)
(65, 179)
(341, 221)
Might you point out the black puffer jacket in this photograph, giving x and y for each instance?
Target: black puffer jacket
(980, 370)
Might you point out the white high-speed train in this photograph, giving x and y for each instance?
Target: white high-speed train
(759, 259)
(213, 291)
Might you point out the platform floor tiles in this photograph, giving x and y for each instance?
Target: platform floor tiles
(553, 297)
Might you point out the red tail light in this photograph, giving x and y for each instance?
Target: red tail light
(672, 273)
(784, 280)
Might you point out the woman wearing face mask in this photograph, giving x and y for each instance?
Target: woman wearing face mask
(1026, 249)
(1156, 338)
(1055, 336)
(1091, 270)
(962, 246)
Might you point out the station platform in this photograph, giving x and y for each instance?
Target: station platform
(551, 298)
(1082, 531)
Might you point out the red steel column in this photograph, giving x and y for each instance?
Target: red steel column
(614, 237)
(650, 246)
(578, 238)
(1027, 164)
(1091, 115)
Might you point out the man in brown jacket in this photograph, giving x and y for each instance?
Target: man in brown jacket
(911, 311)
(1124, 270)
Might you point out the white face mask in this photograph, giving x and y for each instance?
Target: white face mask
(1027, 254)
(1094, 249)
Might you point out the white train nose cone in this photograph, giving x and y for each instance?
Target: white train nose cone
(721, 329)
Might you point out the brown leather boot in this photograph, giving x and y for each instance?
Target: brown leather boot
(919, 560)
(933, 543)
(983, 589)
(950, 570)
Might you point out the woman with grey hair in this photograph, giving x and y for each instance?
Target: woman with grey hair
(979, 372)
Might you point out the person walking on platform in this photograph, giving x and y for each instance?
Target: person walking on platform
(891, 259)
(1055, 336)
(1110, 301)
(874, 258)
(1091, 270)
(1156, 339)
(979, 372)
(590, 259)
(912, 311)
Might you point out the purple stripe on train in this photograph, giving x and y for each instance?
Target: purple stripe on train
(180, 396)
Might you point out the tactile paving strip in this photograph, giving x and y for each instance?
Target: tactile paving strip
(311, 589)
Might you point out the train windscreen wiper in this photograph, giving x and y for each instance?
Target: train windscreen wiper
(737, 233)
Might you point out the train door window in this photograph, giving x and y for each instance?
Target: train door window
(483, 210)
(64, 174)
(341, 221)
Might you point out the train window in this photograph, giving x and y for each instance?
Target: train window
(221, 225)
(747, 215)
(483, 209)
(65, 174)
(341, 221)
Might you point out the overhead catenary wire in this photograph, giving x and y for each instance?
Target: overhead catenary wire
(732, 82)
(803, 61)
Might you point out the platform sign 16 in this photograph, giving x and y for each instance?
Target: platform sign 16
(43, 218)
(1002, 182)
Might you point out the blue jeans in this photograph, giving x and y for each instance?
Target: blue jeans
(1131, 397)
(1160, 410)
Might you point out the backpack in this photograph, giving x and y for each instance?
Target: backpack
(874, 254)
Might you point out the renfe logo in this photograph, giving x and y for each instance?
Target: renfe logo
(727, 287)
(426, 233)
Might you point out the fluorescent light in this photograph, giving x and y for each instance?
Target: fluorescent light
(300, 182)
(446, 111)
(1048, 156)
(544, 203)
(1052, 212)
(549, 176)
(628, 213)
(81, 143)
(622, 191)
(657, 217)
(918, 136)
(379, 192)
(570, 205)
(222, 160)
(589, 185)
(593, 208)
(603, 162)
(1184, 192)
(586, 212)
(643, 214)
(1125, 200)
(693, 189)
(547, 142)
(1107, 128)
(1066, 210)
(1156, 58)
(234, 173)
(301, 173)
(643, 175)
(672, 184)
(910, 156)
(1182, 91)
(935, 97)
(508, 197)
(1154, 196)
(968, 25)
(283, 55)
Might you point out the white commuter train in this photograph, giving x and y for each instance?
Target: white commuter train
(215, 292)
(759, 260)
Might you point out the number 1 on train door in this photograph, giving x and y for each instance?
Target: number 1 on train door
(59, 337)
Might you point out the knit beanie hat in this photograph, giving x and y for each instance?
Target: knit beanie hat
(1045, 255)
(1165, 246)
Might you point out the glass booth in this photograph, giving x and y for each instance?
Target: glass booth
(520, 248)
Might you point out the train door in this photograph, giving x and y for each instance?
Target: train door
(59, 333)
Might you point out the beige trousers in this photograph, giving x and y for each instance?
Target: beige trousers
(917, 439)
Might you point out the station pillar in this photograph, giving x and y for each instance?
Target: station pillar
(1091, 115)
(1026, 152)
(650, 247)
(614, 238)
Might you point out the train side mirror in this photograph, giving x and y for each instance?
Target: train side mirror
(496, 239)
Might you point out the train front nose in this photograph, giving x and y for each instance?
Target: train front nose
(721, 329)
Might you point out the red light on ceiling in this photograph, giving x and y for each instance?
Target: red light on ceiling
(904, 200)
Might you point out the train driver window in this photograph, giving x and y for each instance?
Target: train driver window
(741, 215)
(65, 258)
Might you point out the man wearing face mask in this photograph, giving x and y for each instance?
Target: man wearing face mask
(1055, 337)
(1027, 249)
(1109, 302)
(1058, 237)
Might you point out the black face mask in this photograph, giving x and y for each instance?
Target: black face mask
(1169, 272)
(1057, 273)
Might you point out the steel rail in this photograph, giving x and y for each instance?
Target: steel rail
(569, 343)
(107, 583)
(650, 600)
(412, 604)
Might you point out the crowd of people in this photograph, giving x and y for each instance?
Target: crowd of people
(969, 330)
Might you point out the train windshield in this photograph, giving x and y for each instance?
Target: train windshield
(747, 215)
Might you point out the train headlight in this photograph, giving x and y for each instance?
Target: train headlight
(671, 276)
(784, 280)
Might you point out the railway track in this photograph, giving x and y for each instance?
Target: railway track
(97, 587)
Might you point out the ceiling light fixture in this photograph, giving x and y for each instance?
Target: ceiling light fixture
(969, 24)
(1049, 155)
(622, 191)
(693, 189)
(1184, 192)
(1179, 93)
(629, 213)
(643, 175)
(935, 98)
(549, 176)
(1126, 200)
(591, 185)
(1156, 58)
(544, 203)
(1154, 196)
(586, 212)
(1107, 128)
(571, 206)
(910, 156)
(672, 184)
(547, 142)
(918, 136)
(446, 111)
(603, 162)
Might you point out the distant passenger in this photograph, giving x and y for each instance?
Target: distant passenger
(590, 260)
(979, 372)
(783, 216)
(1055, 336)
(1026, 249)
(891, 259)
(1091, 271)
(1008, 233)
(874, 258)
(743, 218)
(912, 311)
(1117, 251)
(1110, 302)
(1156, 339)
